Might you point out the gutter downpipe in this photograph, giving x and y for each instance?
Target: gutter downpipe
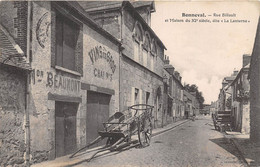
(27, 88)
(120, 54)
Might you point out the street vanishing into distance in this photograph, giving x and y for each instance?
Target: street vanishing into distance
(193, 144)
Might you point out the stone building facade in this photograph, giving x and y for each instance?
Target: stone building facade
(225, 94)
(14, 78)
(255, 90)
(75, 73)
(75, 78)
(176, 104)
(142, 59)
(74, 81)
(240, 99)
(191, 104)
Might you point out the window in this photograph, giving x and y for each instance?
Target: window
(145, 56)
(152, 63)
(147, 50)
(136, 51)
(138, 38)
(67, 34)
(136, 96)
(147, 97)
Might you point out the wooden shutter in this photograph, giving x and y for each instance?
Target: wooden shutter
(79, 52)
(59, 41)
(53, 37)
(69, 44)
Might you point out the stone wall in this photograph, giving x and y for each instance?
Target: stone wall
(12, 112)
(135, 76)
(110, 21)
(246, 118)
(255, 90)
(128, 43)
(48, 80)
(14, 19)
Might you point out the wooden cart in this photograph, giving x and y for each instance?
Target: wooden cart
(121, 126)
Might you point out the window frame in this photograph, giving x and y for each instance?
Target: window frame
(75, 28)
(78, 51)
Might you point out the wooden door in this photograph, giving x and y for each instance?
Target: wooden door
(97, 113)
(65, 128)
(59, 131)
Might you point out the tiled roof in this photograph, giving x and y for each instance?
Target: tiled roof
(231, 78)
(94, 6)
(10, 53)
(137, 4)
(97, 5)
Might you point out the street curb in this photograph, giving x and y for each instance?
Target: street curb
(168, 129)
(45, 163)
(239, 151)
(237, 148)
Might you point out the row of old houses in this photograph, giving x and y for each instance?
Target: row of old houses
(239, 95)
(67, 66)
(234, 97)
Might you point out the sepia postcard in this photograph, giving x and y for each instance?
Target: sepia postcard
(129, 83)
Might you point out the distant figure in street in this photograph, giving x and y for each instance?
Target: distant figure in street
(193, 117)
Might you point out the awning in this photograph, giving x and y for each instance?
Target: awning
(10, 53)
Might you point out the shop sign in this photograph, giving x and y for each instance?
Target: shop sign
(101, 53)
(61, 82)
(55, 81)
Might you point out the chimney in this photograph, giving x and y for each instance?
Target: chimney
(224, 83)
(177, 74)
(246, 59)
(235, 72)
(180, 78)
(170, 69)
(166, 60)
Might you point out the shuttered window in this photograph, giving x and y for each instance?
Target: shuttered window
(67, 41)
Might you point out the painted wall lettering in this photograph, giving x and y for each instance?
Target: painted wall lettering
(37, 75)
(61, 82)
(102, 74)
(42, 29)
(100, 52)
(55, 81)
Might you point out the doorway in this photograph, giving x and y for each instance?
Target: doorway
(65, 127)
(97, 113)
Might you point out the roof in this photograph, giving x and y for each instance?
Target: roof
(168, 66)
(255, 55)
(137, 4)
(95, 6)
(85, 18)
(11, 54)
(244, 69)
(230, 78)
(99, 5)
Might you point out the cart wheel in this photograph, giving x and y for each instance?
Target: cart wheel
(144, 131)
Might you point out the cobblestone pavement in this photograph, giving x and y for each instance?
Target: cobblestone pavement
(194, 144)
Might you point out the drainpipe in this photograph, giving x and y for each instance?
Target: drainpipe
(27, 88)
(120, 54)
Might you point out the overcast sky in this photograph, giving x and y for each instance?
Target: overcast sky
(204, 53)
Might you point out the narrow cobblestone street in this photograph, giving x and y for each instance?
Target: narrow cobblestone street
(191, 144)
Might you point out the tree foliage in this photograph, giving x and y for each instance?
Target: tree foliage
(194, 88)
